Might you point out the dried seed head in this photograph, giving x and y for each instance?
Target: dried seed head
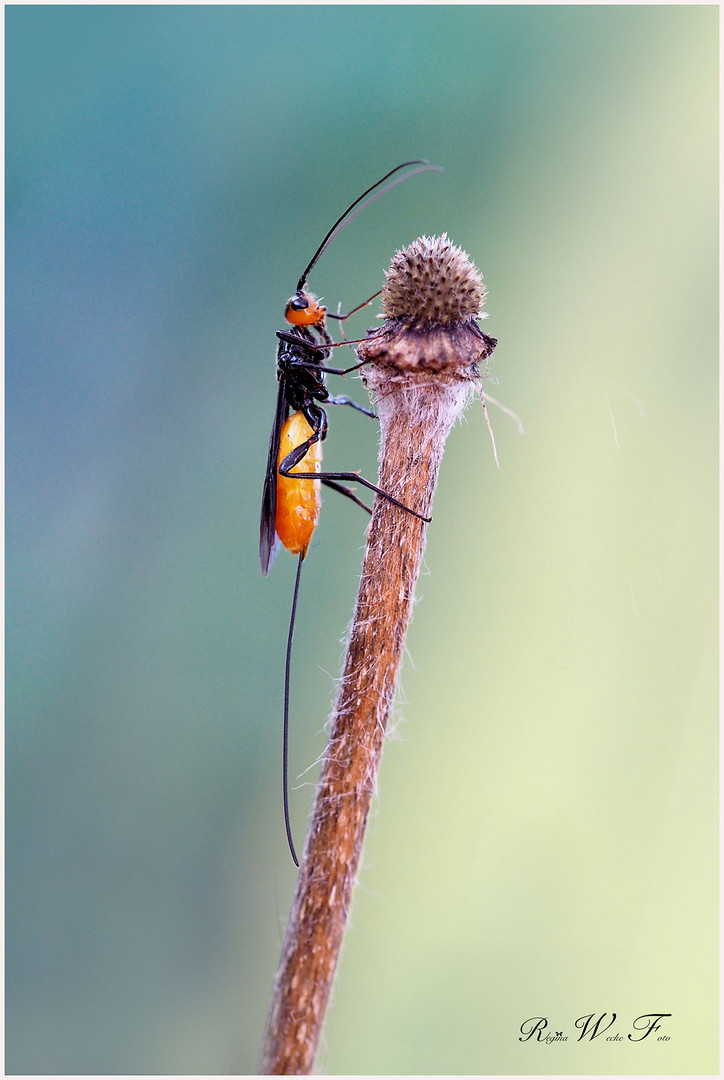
(432, 300)
(433, 281)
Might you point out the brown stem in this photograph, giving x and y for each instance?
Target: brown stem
(419, 395)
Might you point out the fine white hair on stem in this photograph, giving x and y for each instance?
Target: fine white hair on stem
(422, 366)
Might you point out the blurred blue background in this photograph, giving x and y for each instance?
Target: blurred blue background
(545, 837)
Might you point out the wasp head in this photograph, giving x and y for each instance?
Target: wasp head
(303, 309)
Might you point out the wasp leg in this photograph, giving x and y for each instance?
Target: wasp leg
(294, 340)
(352, 404)
(331, 315)
(298, 454)
(331, 370)
(348, 492)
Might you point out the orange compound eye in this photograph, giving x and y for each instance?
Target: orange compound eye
(303, 310)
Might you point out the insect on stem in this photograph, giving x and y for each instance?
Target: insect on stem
(423, 365)
(291, 496)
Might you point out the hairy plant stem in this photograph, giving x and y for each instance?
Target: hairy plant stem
(420, 389)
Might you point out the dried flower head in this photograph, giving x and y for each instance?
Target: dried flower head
(432, 300)
(433, 281)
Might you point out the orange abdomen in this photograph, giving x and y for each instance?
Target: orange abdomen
(298, 501)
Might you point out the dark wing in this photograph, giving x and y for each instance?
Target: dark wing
(268, 539)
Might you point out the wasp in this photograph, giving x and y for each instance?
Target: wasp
(291, 499)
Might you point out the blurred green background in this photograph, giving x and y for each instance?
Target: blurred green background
(544, 841)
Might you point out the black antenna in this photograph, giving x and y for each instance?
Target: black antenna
(343, 221)
(285, 737)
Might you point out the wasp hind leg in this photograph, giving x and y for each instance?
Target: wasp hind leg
(299, 453)
(348, 492)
